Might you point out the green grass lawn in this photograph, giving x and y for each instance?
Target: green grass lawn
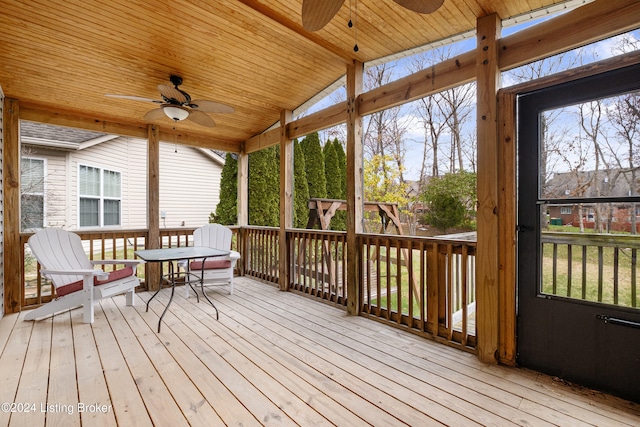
(597, 286)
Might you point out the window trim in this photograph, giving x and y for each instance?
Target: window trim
(101, 198)
(44, 190)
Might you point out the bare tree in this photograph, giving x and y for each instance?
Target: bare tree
(458, 106)
(591, 122)
(624, 117)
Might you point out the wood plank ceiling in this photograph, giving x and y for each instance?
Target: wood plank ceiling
(64, 56)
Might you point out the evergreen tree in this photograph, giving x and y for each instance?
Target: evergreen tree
(342, 164)
(331, 171)
(300, 188)
(332, 174)
(264, 188)
(314, 162)
(340, 219)
(227, 209)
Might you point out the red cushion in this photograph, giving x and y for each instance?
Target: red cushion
(212, 264)
(77, 286)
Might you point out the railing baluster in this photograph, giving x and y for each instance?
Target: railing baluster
(616, 260)
(633, 277)
(398, 264)
(600, 273)
(423, 286)
(555, 269)
(451, 294)
(463, 292)
(569, 265)
(584, 272)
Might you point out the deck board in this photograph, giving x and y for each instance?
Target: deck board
(273, 358)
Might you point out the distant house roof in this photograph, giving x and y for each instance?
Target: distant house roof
(60, 137)
(602, 183)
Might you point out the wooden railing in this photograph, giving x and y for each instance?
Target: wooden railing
(260, 254)
(591, 267)
(424, 284)
(427, 285)
(318, 264)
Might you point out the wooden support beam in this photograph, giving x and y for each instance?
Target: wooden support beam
(286, 198)
(328, 117)
(354, 185)
(153, 274)
(587, 24)
(243, 205)
(263, 140)
(447, 74)
(506, 226)
(42, 114)
(11, 192)
(489, 28)
(243, 188)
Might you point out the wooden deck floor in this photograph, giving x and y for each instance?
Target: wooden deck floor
(273, 358)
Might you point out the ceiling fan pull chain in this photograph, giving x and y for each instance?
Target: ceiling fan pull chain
(351, 24)
(175, 140)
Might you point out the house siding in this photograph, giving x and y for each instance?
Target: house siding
(55, 188)
(125, 155)
(189, 186)
(189, 182)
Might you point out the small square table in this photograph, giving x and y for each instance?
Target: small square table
(172, 255)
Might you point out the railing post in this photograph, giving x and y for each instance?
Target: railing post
(11, 187)
(152, 275)
(488, 77)
(354, 186)
(286, 198)
(243, 207)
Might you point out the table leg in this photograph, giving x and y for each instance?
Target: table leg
(173, 290)
(204, 293)
(156, 292)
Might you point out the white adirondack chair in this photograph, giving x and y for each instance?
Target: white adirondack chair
(63, 260)
(217, 271)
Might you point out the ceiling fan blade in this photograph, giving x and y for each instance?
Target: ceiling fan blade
(201, 118)
(133, 98)
(211, 106)
(171, 92)
(154, 114)
(421, 6)
(317, 13)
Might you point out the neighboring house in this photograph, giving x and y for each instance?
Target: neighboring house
(83, 180)
(593, 184)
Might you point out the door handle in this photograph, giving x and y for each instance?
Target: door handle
(616, 321)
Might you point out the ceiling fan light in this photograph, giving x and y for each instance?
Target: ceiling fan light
(175, 113)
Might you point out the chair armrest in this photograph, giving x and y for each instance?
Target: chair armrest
(234, 256)
(81, 272)
(126, 262)
(133, 263)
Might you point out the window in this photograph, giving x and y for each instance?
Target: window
(100, 197)
(565, 210)
(32, 193)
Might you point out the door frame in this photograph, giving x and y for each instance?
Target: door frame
(507, 185)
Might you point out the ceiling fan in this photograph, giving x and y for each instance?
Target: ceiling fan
(177, 105)
(317, 13)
